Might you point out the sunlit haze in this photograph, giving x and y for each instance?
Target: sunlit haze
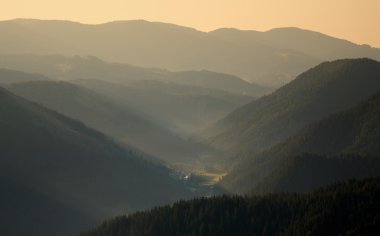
(189, 117)
(348, 19)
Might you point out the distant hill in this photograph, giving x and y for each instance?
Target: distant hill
(76, 67)
(183, 109)
(75, 167)
(179, 88)
(311, 43)
(224, 82)
(186, 102)
(350, 208)
(316, 93)
(341, 146)
(123, 124)
(12, 76)
(269, 58)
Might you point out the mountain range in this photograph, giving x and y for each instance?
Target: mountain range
(327, 88)
(270, 58)
(76, 67)
(197, 98)
(150, 121)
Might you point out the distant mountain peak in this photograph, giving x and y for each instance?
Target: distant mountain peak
(32, 21)
(283, 53)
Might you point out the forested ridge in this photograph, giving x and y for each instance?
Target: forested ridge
(321, 91)
(323, 152)
(347, 208)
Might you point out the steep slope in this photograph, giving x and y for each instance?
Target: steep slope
(350, 208)
(341, 146)
(68, 68)
(306, 172)
(75, 166)
(25, 211)
(320, 91)
(124, 125)
(180, 48)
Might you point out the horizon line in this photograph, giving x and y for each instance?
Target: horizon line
(185, 26)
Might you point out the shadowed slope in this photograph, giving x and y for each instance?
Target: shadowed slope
(77, 166)
(320, 91)
(341, 146)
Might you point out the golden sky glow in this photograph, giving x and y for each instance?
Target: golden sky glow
(355, 20)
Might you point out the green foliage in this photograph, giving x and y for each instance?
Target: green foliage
(351, 208)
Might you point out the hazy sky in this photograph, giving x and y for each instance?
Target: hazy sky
(355, 20)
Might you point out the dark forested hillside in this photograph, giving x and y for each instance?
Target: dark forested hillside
(306, 172)
(351, 208)
(26, 211)
(320, 91)
(354, 133)
(75, 167)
